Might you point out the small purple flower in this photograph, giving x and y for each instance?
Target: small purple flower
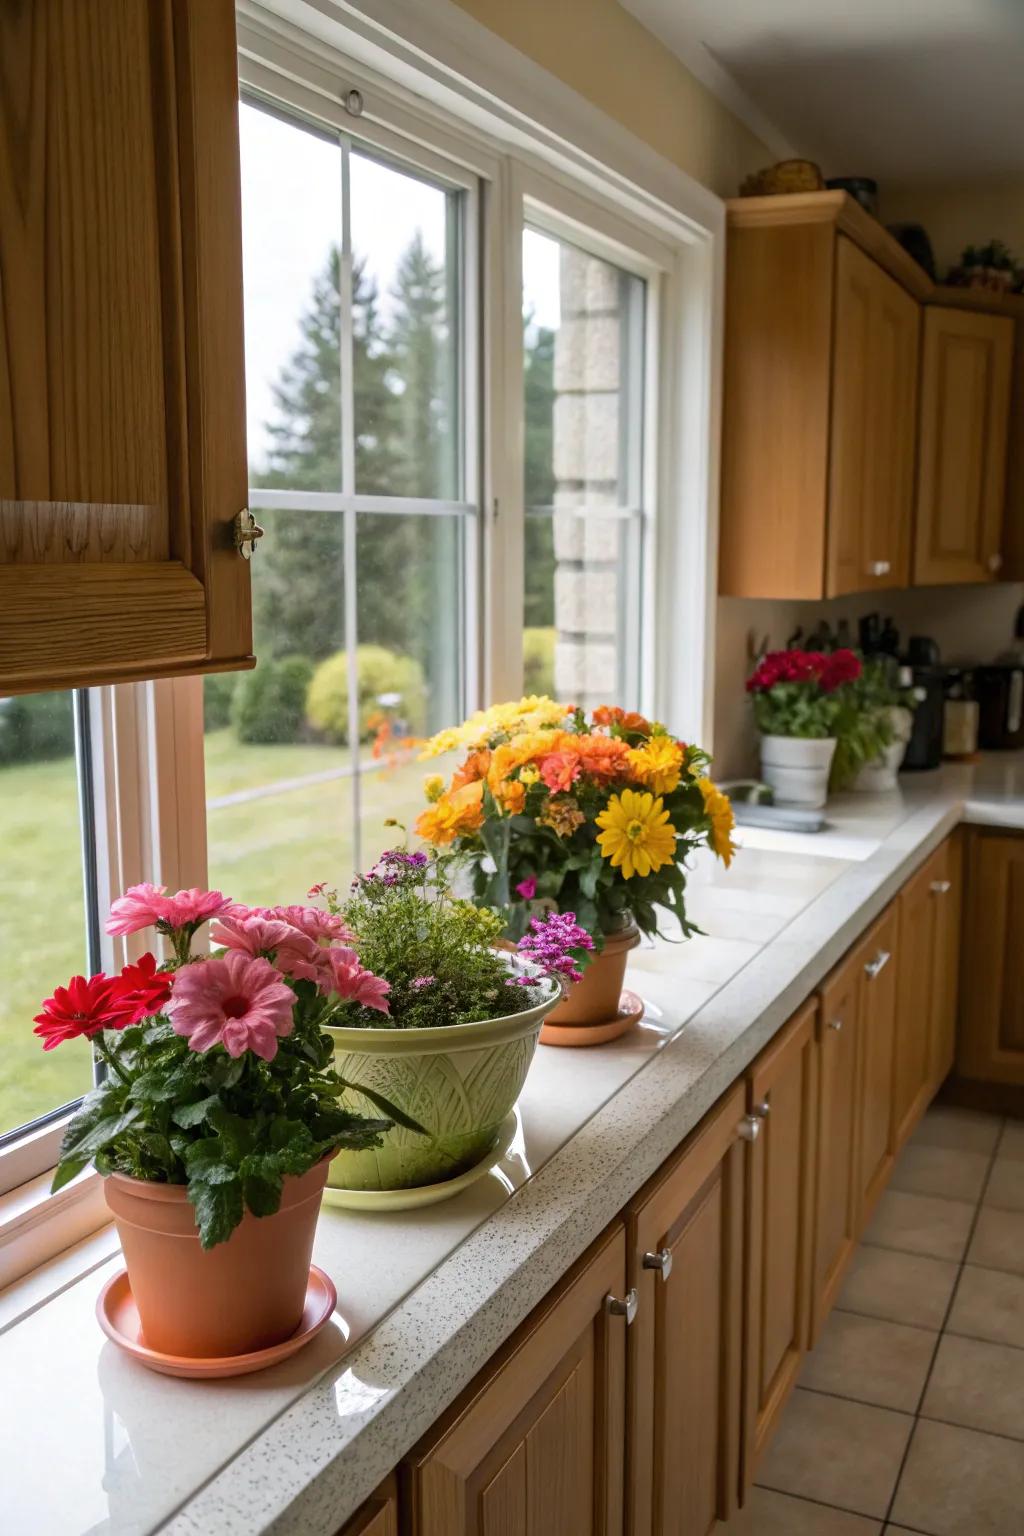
(527, 889)
(419, 982)
(557, 945)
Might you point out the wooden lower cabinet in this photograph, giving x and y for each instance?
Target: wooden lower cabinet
(946, 888)
(685, 1232)
(875, 963)
(378, 1516)
(991, 1044)
(836, 1206)
(782, 1093)
(929, 916)
(537, 1443)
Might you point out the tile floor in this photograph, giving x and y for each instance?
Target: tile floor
(909, 1414)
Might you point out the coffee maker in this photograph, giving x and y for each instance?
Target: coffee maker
(926, 676)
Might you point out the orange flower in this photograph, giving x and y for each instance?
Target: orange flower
(611, 714)
(459, 811)
(560, 770)
(510, 755)
(475, 767)
(512, 796)
(604, 757)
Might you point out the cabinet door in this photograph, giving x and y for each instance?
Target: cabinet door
(378, 1516)
(686, 1238)
(875, 958)
(537, 1444)
(946, 891)
(965, 402)
(836, 1204)
(873, 426)
(782, 1093)
(914, 1004)
(122, 421)
(991, 1043)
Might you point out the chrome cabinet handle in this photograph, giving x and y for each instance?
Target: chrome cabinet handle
(625, 1307)
(661, 1261)
(835, 1024)
(940, 887)
(762, 1110)
(879, 963)
(879, 567)
(749, 1128)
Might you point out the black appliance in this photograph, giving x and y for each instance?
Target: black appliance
(999, 690)
(928, 679)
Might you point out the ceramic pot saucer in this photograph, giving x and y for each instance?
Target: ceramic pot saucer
(631, 1011)
(119, 1318)
(424, 1194)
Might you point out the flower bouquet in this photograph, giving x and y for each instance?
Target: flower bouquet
(219, 1110)
(800, 698)
(591, 816)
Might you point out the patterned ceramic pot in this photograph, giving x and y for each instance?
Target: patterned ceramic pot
(459, 1082)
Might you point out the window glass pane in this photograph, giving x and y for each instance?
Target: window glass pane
(410, 623)
(278, 772)
(405, 337)
(583, 325)
(42, 901)
(291, 243)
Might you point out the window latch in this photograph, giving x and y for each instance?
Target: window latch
(247, 532)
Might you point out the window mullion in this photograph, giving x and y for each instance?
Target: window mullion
(348, 486)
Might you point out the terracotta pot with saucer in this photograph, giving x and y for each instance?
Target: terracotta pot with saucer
(596, 1008)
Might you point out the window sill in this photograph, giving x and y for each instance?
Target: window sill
(35, 1225)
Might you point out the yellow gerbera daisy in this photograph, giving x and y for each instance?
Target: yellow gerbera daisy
(433, 786)
(718, 809)
(637, 835)
(658, 764)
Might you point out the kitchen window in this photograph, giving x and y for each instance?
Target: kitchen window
(361, 377)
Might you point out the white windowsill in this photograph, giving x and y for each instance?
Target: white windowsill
(35, 1225)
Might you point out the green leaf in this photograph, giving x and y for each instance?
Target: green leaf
(188, 1115)
(235, 1132)
(205, 1160)
(218, 1209)
(262, 1193)
(388, 1107)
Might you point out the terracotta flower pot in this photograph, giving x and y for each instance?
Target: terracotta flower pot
(595, 999)
(245, 1294)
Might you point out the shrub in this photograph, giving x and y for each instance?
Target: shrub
(539, 661)
(36, 726)
(218, 692)
(381, 673)
(269, 703)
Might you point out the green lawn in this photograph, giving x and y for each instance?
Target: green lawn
(263, 851)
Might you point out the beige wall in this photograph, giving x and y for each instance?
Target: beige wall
(607, 56)
(955, 216)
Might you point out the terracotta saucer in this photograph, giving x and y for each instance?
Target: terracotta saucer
(631, 1011)
(119, 1318)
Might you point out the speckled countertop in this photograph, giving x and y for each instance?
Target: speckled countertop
(91, 1442)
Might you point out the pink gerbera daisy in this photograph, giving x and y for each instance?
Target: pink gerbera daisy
(344, 977)
(236, 1000)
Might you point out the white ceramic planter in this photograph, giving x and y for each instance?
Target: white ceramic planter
(881, 776)
(797, 769)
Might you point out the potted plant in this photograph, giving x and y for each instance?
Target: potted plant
(874, 728)
(798, 698)
(454, 1048)
(219, 1111)
(594, 816)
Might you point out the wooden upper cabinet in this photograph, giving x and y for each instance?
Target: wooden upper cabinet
(685, 1233)
(122, 422)
(782, 1097)
(820, 401)
(965, 403)
(537, 1443)
(873, 422)
(991, 1034)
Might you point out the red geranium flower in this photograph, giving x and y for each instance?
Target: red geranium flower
(84, 1007)
(142, 989)
(841, 667)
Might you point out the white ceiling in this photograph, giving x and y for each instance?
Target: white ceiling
(902, 90)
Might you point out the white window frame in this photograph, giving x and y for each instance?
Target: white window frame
(438, 85)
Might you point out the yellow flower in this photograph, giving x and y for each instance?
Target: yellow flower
(529, 774)
(637, 835)
(433, 786)
(444, 741)
(718, 810)
(658, 764)
(531, 713)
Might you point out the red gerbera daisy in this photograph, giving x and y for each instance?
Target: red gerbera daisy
(84, 1007)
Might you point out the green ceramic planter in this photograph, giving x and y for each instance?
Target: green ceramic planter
(458, 1082)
